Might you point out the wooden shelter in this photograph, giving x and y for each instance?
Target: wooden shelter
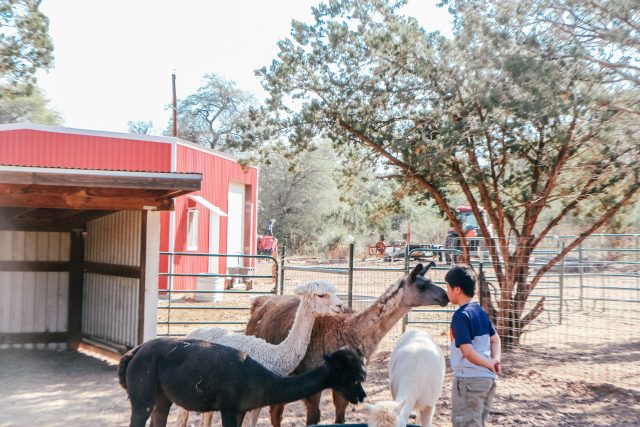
(79, 254)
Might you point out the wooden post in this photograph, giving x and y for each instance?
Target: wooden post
(76, 285)
(143, 276)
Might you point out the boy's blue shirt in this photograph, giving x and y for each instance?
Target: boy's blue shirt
(470, 325)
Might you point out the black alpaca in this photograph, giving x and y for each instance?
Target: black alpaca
(202, 376)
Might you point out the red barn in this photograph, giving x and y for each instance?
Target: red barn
(220, 218)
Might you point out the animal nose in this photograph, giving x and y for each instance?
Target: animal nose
(341, 308)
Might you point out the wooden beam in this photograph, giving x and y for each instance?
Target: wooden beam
(54, 201)
(32, 337)
(117, 270)
(34, 266)
(117, 179)
(76, 287)
(112, 355)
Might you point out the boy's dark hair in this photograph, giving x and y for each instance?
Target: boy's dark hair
(462, 277)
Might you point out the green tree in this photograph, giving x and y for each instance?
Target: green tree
(298, 194)
(25, 45)
(497, 113)
(27, 106)
(142, 127)
(211, 116)
(605, 33)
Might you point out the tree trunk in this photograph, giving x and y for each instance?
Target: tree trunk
(508, 315)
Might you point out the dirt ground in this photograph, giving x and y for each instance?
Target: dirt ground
(592, 381)
(63, 388)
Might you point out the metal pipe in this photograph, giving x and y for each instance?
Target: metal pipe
(282, 258)
(350, 280)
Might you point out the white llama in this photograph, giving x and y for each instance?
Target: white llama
(317, 298)
(416, 374)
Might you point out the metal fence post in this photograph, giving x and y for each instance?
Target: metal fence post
(561, 285)
(581, 270)
(637, 258)
(170, 293)
(283, 253)
(480, 283)
(350, 286)
(406, 258)
(405, 319)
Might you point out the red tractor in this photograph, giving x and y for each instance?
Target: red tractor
(472, 233)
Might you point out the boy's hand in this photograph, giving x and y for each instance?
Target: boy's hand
(496, 366)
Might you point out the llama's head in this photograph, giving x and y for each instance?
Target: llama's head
(420, 290)
(346, 374)
(321, 297)
(385, 414)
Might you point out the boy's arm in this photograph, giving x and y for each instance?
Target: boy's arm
(476, 358)
(496, 352)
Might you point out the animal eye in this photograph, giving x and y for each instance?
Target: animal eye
(324, 296)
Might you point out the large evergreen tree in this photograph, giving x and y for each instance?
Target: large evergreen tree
(499, 112)
(25, 45)
(27, 106)
(212, 115)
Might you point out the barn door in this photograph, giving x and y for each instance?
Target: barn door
(235, 224)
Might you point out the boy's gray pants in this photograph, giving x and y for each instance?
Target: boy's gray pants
(471, 400)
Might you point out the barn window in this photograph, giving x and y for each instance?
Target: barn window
(192, 230)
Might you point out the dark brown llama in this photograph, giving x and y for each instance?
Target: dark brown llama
(202, 376)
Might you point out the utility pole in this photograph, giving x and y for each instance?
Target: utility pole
(175, 106)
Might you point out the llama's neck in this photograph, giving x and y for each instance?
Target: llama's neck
(294, 346)
(289, 389)
(372, 324)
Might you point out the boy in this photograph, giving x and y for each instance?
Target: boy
(475, 352)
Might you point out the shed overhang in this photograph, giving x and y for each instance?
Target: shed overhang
(50, 198)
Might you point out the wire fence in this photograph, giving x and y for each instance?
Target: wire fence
(587, 306)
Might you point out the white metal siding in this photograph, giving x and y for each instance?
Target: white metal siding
(110, 308)
(114, 239)
(34, 301)
(110, 304)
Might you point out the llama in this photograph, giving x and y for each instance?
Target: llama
(416, 374)
(318, 298)
(272, 316)
(203, 376)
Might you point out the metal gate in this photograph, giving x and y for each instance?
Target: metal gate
(191, 297)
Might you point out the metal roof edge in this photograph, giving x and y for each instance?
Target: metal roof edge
(200, 147)
(86, 132)
(118, 135)
(99, 172)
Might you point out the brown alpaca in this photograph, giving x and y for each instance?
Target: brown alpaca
(272, 316)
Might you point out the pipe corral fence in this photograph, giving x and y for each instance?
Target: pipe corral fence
(588, 330)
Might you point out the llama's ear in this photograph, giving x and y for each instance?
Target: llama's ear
(369, 407)
(427, 268)
(415, 272)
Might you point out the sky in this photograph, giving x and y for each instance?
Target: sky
(114, 58)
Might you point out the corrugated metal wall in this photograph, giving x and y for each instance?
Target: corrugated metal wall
(110, 304)
(27, 147)
(34, 301)
(217, 174)
(114, 239)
